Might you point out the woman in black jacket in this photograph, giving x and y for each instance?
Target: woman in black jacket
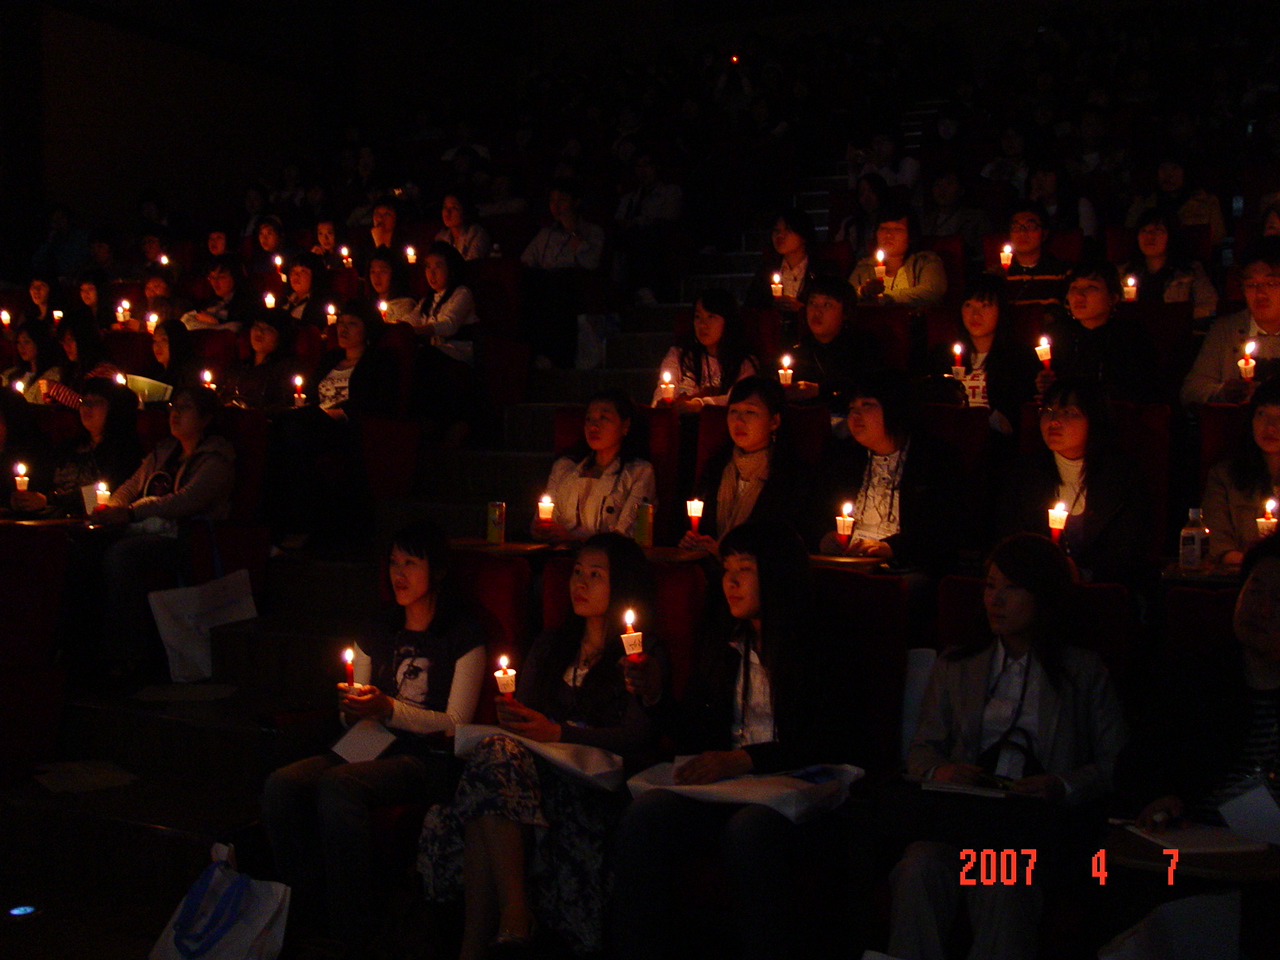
(756, 702)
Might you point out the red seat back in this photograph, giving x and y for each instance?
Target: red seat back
(58, 423)
(1222, 428)
(764, 333)
(308, 346)
(495, 283)
(1198, 622)
(249, 431)
(498, 590)
(153, 426)
(390, 450)
(216, 350)
(129, 350)
(891, 328)
(950, 251)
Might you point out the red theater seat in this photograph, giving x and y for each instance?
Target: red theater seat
(497, 589)
(129, 350)
(216, 350)
(495, 282)
(1222, 427)
(390, 455)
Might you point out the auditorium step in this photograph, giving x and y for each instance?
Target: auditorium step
(575, 386)
(637, 349)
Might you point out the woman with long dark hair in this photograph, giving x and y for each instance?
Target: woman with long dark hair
(174, 350)
(1161, 262)
(82, 345)
(524, 844)
(446, 316)
(1236, 490)
(757, 701)
(705, 365)
(461, 231)
(39, 358)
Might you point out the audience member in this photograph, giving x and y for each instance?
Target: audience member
(461, 231)
(697, 364)
(1164, 269)
(1035, 275)
(1236, 490)
(912, 277)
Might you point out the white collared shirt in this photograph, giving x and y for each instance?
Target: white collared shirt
(1002, 706)
(753, 723)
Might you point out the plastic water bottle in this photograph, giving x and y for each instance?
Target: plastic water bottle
(1193, 542)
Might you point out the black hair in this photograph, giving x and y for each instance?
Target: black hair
(769, 392)
(182, 346)
(224, 261)
(836, 288)
(453, 262)
(566, 185)
(282, 323)
(895, 210)
(1265, 250)
(892, 390)
(314, 263)
(398, 267)
(798, 222)
(89, 348)
(364, 311)
(205, 400)
(1177, 254)
(48, 352)
(1030, 206)
(470, 213)
(1095, 269)
(632, 447)
(732, 350)
(991, 288)
(1248, 467)
(1092, 403)
(426, 541)
(122, 409)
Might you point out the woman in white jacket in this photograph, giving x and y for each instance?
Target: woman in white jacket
(445, 316)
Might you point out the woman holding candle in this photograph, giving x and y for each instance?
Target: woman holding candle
(93, 306)
(912, 277)
(697, 364)
(522, 843)
(39, 358)
(173, 348)
(387, 286)
(39, 305)
(902, 482)
(1108, 531)
(747, 479)
(308, 284)
(21, 442)
(1165, 271)
(793, 241)
(424, 679)
(461, 231)
(761, 698)
(1236, 489)
(107, 449)
(1026, 710)
(445, 318)
(82, 346)
(830, 353)
(265, 380)
(598, 484)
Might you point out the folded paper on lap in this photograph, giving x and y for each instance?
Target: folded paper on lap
(366, 740)
(590, 765)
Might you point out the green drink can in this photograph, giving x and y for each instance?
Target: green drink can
(644, 525)
(496, 523)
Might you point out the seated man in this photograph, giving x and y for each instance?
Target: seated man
(229, 307)
(1035, 276)
(1215, 376)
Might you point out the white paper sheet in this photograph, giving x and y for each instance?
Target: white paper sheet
(365, 740)
(797, 800)
(1253, 814)
(942, 786)
(590, 765)
(1199, 838)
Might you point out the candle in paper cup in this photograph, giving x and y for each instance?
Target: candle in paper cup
(844, 524)
(1006, 256)
(57, 315)
(1044, 352)
(103, 494)
(284, 277)
(776, 286)
(20, 479)
(331, 313)
(206, 377)
(1131, 288)
(1057, 520)
(506, 678)
(270, 300)
(410, 254)
(4, 317)
(880, 265)
(346, 256)
(153, 320)
(957, 365)
(545, 507)
(122, 379)
(666, 389)
(632, 639)
(298, 399)
(785, 373)
(694, 508)
(1248, 364)
(1267, 522)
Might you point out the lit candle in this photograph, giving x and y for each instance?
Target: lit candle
(880, 265)
(1267, 522)
(1057, 520)
(164, 259)
(545, 507)
(1044, 352)
(57, 315)
(4, 317)
(776, 286)
(1131, 288)
(122, 379)
(20, 479)
(382, 308)
(298, 398)
(284, 277)
(207, 377)
(695, 513)
(667, 389)
(506, 678)
(346, 257)
(410, 254)
(122, 312)
(844, 524)
(102, 493)
(957, 366)
(17, 385)
(270, 300)
(632, 639)
(1006, 256)
(1248, 363)
(349, 661)
(785, 373)
(332, 313)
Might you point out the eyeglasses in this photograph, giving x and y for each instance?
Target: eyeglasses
(1270, 285)
(1060, 414)
(1025, 226)
(182, 406)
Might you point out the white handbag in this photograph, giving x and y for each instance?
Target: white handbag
(185, 615)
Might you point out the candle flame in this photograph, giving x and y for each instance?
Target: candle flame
(331, 310)
(122, 379)
(546, 499)
(1249, 348)
(349, 655)
(382, 306)
(957, 350)
(734, 58)
(777, 278)
(786, 361)
(153, 318)
(1132, 281)
(57, 314)
(1271, 506)
(408, 251)
(880, 256)
(4, 317)
(345, 252)
(102, 486)
(630, 618)
(164, 260)
(666, 376)
(206, 376)
(270, 300)
(279, 261)
(1060, 506)
(1008, 248)
(503, 661)
(297, 381)
(124, 304)
(1044, 341)
(20, 469)
(847, 509)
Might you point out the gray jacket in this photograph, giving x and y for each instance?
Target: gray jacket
(201, 487)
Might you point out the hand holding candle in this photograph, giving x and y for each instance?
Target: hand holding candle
(667, 389)
(1044, 352)
(346, 256)
(506, 678)
(1267, 522)
(1006, 256)
(880, 265)
(785, 373)
(206, 377)
(844, 524)
(331, 315)
(695, 513)
(957, 365)
(349, 661)
(1248, 364)
(632, 639)
(776, 287)
(545, 508)
(1057, 520)
(153, 320)
(20, 479)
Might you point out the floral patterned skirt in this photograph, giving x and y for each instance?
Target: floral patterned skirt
(567, 874)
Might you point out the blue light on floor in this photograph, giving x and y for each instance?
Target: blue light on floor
(21, 911)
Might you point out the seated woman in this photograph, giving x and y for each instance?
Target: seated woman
(189, 475)
(830, 353)
(1236, 490)
(902, 483)
(1000, 373)
(261, 262)
(174, 350)
(387, 285)
(93, 306)
(39, 306)
(747, 479)
(757, 701)
(1028, 712)
(598, 484)
(359, 378)
(1107, 532)
(698, 363)
(1094, 343)
(912, 277)
(39, 358)
(524, 844)
(308, 280)
(159, 301)
(794, 260)
(265, 380)
(1162, 264)
(445, 317)
(1178, 192)
(82, 346)
(106, 451)
(461, 231)
(426, 680)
